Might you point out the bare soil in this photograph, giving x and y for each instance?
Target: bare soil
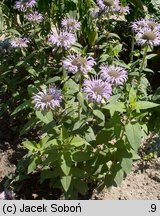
(143, 183)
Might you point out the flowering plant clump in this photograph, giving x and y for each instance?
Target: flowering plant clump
(77, 76)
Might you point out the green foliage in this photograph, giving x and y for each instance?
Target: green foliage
(80, 141)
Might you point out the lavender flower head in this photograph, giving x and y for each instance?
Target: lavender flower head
(107, 3)
(148, 36)
(113, 74)
(97, 90)
(121, 9)
(47, 98)
(139, 25)
(34, 17)
(23, 5)
(112, 6)
(64, 39)
(77, 63)
(6, 195)
(19, 42)
(71, 24)
(94, 12)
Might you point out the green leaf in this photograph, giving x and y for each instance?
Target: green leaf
(138, 4)
(119, 177)
(43, 141)
(53, 80)
(103, 136)
(32, 166)
(126, 165)
(76, 172)
(71, 86)
(19, 63)
(99, 114)
(50, 143)
(66, 163)
(81, 186)
(31, 89)
(145, 105)
(118, 48)
(66, 181)
(135, 156)
(151, 56)
(48, 174)
(104, 58)
(133, 133)
(77, 141)
(64, 133)
(113, 99)
(45, 116)
(14, 32)
(29, 145)
(48, 127)
(92, 36)
(32, 71)
(117, 106)
(22, 106)
(78, 124)
(1, 19)
(132, 98)
(28, 126)
(89, 135)
(80, 156)
(81, 101)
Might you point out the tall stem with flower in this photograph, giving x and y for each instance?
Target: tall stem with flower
(144, 58)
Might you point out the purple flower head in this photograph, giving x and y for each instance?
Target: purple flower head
(64, 39)
(112, 6)
(121, 9)
(34, 17)
(77, 63)
(97, 90)
(71, 24)
(106, 3)
(94, 12)
(2, 196)
(113, 74)
(148, 36)
(23, 5)
(6, 195)
(139, 25)
(19, 42)
(47, 98)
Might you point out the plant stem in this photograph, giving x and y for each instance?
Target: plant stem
(144, 57)
(79, 104)
(108, 16)
(132, 46)
(64, 74)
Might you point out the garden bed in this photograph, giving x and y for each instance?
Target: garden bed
(79, 94)
(143, 183)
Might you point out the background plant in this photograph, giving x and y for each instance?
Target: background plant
(84, 86)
